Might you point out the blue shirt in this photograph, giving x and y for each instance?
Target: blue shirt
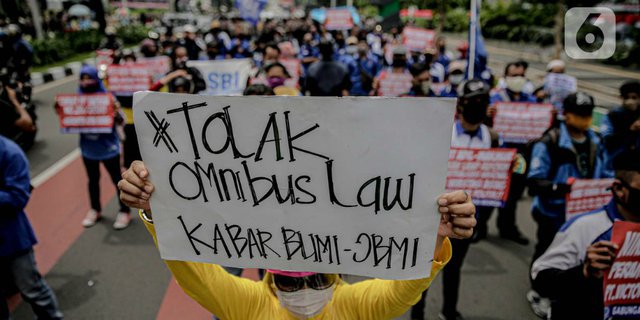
(16, 234)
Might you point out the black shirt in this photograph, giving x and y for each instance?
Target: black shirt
(327, 78)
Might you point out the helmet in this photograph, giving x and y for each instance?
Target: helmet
(474, 88)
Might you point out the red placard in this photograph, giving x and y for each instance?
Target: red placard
(157, 66)
(484, 173)
(85, 113)
(587, 195)
(417, 13)
(128, 78)
(622, 281)
(415, 38)
(338, 19)
(521, 122)
(394, 84)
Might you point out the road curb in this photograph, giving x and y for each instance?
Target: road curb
(56, 73)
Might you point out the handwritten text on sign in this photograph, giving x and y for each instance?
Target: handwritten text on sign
(522, 122)
(484, 173)
(418, 38)
(622, 281)
(85, 113)
(587, 195)
(297, 183)
(224, 77)
(128, 78)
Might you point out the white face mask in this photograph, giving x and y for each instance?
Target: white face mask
(425, 86)
(305, 303)
(516, 83)
(456, 79)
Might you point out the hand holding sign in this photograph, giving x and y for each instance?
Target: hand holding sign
(135, 188)
(457, 209)
(600, 256)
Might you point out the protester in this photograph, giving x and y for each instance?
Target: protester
(571, 270)
(281, 295)
(327, 77)
(99, 148)
(111, 40)
(368, 69)
(572, 150)
(621, 127)
(17, 262)
(13, 116)
(468, 132)
(558, 85)
(398, 67)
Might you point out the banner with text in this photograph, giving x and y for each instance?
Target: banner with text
(415, 38)
(394, 84)
(85, 113)
(297, 183)
(338, 19)
(224, 77)
(587, 195)
(519, 122)
(484, 173)
(127, 79)
(622, 280)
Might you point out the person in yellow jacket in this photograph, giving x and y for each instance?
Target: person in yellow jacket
(301, 295)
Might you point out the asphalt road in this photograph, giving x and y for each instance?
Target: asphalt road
(100, 273)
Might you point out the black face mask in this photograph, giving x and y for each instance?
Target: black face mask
(399, 63)
(633, 199)
(91, 88)
(474, 114)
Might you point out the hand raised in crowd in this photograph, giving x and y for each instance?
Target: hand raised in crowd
(174, 74)
(458, 215)
(600, 256)
(135, 187)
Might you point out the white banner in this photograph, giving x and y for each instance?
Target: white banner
(224, 77)
(333, 185)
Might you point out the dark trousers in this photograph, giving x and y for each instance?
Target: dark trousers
(20, 272)
(93, 172)
(130, 145)
(450, 281)
(547, 229)
(507, 214)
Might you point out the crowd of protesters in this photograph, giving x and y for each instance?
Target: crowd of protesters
(570, 256)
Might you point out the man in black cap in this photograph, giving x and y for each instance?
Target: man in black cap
(571, 150)
(571, 270)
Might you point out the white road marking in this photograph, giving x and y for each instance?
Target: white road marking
(55, 168)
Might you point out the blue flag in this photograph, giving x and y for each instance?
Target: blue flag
(477, 53)
(250, 9)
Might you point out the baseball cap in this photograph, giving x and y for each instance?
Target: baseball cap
(579, 103)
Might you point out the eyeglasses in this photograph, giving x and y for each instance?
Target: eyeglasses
(317, 281)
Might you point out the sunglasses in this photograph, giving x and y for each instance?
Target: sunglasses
(317, 281)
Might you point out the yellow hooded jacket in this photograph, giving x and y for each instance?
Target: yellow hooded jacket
(230, 297)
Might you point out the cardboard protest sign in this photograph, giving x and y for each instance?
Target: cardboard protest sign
(415, 38)
(622, 280)
(484, 173)
(394, 84)
(558, 86)
(224, 77)
(126, 79)
(521, 122)
(157, 66)
(85, 113)
(338, 19)
(587, 195)
(335, 185)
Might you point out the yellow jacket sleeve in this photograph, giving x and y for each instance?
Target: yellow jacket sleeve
(223, 294)
(387, 299)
